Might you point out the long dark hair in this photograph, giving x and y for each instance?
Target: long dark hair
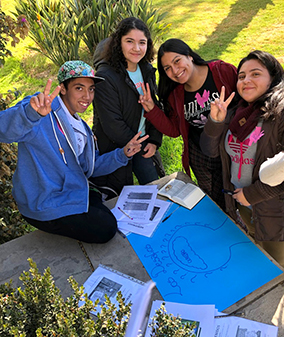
(166, 85)
(113, 53)
(272, 102)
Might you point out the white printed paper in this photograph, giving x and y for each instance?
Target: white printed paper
(105, 280)
(146, 229)
(136, 203)
(228, 326)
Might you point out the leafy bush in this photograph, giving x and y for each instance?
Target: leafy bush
(164, 324)
(58, 27)
(11, 223)
(10, 29)
(39, 310)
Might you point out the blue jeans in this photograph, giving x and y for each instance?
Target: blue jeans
(98, 225)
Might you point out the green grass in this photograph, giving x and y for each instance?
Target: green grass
(224, 29)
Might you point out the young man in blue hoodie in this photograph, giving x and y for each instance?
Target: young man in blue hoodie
(56, 156)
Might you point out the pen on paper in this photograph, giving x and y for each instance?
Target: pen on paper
(125, 213)
(166, 218)
(120, 233)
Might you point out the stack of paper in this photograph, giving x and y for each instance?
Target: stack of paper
(207, 320)
(138, 210)
(107, 281)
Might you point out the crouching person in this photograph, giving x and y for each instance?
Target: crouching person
(56, 156)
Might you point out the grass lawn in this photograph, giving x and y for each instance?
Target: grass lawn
(216, 29)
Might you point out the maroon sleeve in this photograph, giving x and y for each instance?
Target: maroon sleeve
(224, 74)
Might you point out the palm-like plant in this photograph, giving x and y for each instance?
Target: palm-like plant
(59, 27)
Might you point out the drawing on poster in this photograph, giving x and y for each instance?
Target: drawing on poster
(186, 254)
(196, 256)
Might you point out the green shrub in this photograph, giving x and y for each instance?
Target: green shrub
(58, 27)
(164, 324)
(12, 224)
(38, 310)
(10, 29)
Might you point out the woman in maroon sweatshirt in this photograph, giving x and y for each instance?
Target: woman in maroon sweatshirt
(187, 86)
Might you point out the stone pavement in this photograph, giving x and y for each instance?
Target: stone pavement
(67, 257)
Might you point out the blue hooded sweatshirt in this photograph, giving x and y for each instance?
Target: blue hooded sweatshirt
(50, 180)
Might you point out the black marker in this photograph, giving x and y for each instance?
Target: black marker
(228, 192)
(166, 218)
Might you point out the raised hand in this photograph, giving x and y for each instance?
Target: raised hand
(219, 107)
(146, 99)
(42, 102)
(134, 145)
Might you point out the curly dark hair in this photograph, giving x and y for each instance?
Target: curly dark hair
(113, 53)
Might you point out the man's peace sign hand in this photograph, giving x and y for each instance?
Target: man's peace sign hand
(42, 102)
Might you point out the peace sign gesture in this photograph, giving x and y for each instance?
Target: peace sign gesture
(219, 108)
(42, 102)
(134, 145)
(146, 99)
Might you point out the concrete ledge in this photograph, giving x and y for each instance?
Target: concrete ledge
(119, 255)
(63, 255)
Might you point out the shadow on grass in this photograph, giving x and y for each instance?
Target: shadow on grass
(241, 14)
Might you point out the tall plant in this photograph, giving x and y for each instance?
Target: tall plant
(55, 29)
(144, 10)
(59, 27)
(105, 15)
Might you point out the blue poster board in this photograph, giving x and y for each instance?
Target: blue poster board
(200, 256)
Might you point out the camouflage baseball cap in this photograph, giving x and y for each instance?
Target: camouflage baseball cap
(74, 69)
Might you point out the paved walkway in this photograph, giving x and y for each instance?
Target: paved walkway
(67, 257)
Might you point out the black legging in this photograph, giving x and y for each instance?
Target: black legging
(98, 225)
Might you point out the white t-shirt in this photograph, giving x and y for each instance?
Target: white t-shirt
(78, 127)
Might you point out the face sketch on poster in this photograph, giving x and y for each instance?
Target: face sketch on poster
(196, 253)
